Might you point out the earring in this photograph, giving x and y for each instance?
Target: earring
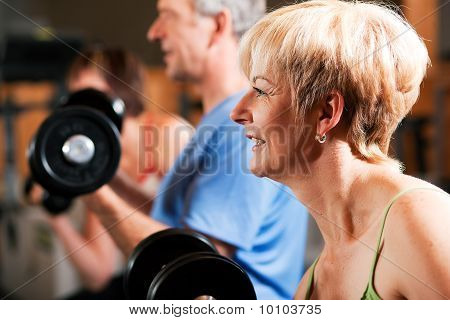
(321, 139)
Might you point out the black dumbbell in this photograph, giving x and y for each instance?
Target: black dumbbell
(178, 264)
(76, 150)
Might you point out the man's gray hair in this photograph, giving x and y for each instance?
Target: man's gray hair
(245, 13)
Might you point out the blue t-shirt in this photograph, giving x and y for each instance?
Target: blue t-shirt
(211, 190)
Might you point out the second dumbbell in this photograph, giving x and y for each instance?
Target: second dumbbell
(77, 149)
(178, 264)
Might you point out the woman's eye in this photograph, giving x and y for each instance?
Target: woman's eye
(259, 92)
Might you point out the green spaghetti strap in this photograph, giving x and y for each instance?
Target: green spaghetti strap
(370, 289)
(310, 280)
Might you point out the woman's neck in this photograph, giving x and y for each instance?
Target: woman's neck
(336, 194)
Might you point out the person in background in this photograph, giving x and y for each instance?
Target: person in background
(118, 73)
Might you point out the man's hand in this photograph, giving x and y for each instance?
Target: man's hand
(223, 248)
(101, 201)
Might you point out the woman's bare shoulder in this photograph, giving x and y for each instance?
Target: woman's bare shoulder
(421, 201)
(421, 208)
(417, 234)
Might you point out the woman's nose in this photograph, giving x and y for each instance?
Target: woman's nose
(241, 114)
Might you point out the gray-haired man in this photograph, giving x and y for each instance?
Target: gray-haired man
(256, 222)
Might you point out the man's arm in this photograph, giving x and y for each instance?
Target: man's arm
(131, 192)
(126, 224)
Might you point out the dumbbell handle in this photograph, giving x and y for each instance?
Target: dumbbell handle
(52, 203)
(78, 149)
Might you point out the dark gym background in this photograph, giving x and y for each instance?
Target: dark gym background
(27, 246)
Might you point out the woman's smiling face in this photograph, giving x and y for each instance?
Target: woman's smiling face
(267, 113)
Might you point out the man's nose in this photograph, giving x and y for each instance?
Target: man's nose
(154, 31)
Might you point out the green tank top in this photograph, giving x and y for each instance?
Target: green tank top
(370, 293)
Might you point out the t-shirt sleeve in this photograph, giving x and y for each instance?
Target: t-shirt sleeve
(226, 201)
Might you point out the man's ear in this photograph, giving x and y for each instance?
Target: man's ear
(223, 26)
(330, 112)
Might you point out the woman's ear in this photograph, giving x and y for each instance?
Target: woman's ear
(330, 112)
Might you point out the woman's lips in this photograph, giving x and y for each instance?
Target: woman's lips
(258, 142)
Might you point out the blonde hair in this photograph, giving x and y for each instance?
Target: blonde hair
(366, 51)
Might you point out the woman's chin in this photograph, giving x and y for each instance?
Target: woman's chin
(257, 170)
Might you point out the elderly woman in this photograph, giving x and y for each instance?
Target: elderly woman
(331, 82)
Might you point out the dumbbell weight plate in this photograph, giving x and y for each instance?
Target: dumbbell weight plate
(64, 173)
(202, 276)
(97, 100)
(155, 252)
